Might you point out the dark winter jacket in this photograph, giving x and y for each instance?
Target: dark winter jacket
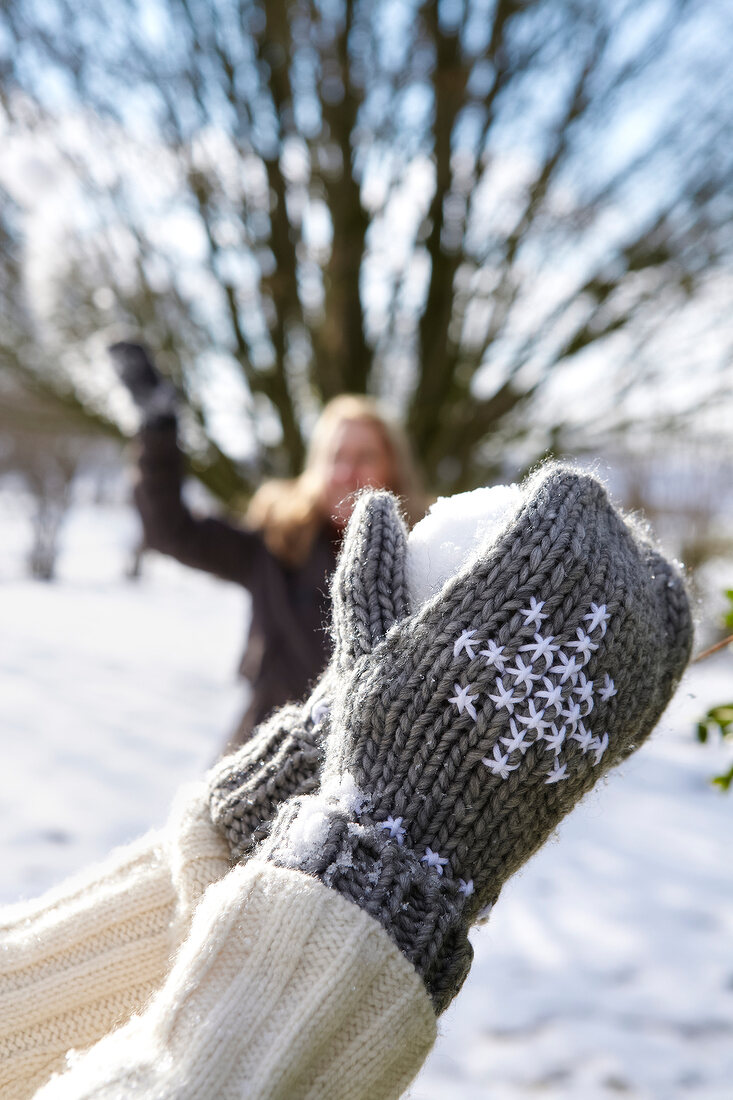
(288, 644)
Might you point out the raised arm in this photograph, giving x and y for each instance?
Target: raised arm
(230, 552)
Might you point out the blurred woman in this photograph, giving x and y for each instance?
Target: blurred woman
(285, 550)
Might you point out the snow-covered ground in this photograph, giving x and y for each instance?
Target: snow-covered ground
(606, 968)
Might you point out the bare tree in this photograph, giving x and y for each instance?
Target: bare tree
(454, 205)
(44, 446)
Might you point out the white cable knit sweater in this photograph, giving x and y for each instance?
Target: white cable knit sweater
(281, 988)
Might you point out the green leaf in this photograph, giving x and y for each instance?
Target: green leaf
(702, 732)
(724, 781)
(722, 714)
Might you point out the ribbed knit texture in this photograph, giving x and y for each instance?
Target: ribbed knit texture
(282, 991)
(284, 756)
(461, 741)
(247, 788)
(83, 958)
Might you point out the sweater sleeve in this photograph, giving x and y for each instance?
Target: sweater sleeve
(283, 990)
(230, 552)
(81, 960)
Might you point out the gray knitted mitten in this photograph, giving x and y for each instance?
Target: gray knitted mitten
(460, 741)
(284, 756)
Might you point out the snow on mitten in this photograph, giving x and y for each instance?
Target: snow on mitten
(464, 736)
(284, 755)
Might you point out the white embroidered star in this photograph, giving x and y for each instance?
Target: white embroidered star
(433, 859)
(555, 738)
(608, 689)
(541, 647)
(465, 888)
(553, 693)
(559, 771)
(533, 614)
(584, 691)
(464, 642)
(319, 712)
(534, 720)
(583, 736)
(517, 740)
(500, 764)
(463, 701)
(394, 825)
(504, 696)
(598, 616)
(572, 713)
(523, 674)
(493, 655)
(599, 746)
(584, 645)
(568, 668)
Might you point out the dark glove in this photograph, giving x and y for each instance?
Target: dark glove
(153, 395)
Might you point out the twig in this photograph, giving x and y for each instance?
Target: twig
(712, 649)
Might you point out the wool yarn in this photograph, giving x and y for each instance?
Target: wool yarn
(248, 787)
(284, 756)
(458, 741)
(79, 961)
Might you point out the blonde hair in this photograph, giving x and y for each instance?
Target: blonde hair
(287, 511)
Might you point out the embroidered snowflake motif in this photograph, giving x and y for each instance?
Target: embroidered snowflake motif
(434, 859)
(517, 739)
(572, 713)
(463, 701)
(394, 826)
(584, 645)
(464, 642)
(567, 669)
(583, 736)
(465, 888)
(559, 772)
(584, 691)
(533, 614)
(534, 720)
(493, 655)
(564, 687)
(504, 697)
(555, 738)
(599, 746)
(523, 674)
(499, 765)
(597, 617)
(552, 694)
(541, 647)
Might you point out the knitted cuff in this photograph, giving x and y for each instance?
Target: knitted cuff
(423, 914)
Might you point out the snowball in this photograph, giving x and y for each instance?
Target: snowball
(308, 831)
(343, 790)
(454, 529)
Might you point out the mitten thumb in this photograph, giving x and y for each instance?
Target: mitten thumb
(369, 588)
